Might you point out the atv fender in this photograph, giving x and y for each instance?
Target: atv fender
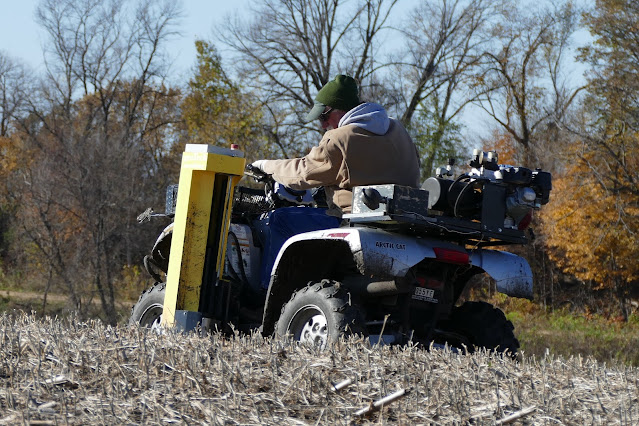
(160, 253)
(511, 273)
(166, 232)
(374, 252)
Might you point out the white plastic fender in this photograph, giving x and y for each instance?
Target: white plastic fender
(511, 273)
(386, 254)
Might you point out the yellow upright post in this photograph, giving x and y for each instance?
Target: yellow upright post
(208, 176)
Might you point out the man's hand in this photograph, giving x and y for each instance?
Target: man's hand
(259, 164)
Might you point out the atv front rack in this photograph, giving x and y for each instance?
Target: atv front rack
(246, 201)
(250, 201)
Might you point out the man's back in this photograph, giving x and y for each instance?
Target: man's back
(370, 159)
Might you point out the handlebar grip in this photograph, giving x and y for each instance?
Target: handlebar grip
(255, 173)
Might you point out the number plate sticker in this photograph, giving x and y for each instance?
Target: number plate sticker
(425, 294)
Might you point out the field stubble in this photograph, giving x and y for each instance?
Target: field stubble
(68, 372)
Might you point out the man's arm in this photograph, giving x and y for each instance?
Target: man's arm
(320, 167)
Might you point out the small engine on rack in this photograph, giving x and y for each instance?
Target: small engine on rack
(496, 195)
(491, 204)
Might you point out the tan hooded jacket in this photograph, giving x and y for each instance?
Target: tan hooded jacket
(351, 156)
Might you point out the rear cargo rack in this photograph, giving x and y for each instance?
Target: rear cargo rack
(404, 209)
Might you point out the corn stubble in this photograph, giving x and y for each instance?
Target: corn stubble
(69, 372)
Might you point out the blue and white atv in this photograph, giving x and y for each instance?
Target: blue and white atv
(393, 269)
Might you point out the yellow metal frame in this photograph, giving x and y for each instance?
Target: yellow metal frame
(202, 166)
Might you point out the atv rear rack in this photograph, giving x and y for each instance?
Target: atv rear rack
(404, 209)
(449, 228)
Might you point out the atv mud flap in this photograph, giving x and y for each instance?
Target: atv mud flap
(511, 273)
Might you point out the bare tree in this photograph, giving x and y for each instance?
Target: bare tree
(523, 86)
(445, 39)
(291, 48)
(444, 42)
(14, 84)
(98, 130)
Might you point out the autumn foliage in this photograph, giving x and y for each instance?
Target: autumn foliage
(592, 230)
(216, 111)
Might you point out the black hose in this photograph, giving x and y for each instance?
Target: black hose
(149, 263)
(236, 241)
(231, 271)
(457, 180)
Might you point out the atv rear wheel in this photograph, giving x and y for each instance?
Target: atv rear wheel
(319, 314)
(147, 312)
(485, 326)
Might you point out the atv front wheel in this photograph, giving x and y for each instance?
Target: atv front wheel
(148, 311)
(485, 326)
(319, 314)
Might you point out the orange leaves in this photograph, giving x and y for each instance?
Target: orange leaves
(593, 232)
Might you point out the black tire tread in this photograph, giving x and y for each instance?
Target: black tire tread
(153, 294)
(347, 318)
(486, 327)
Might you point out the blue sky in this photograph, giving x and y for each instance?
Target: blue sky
(21, 38)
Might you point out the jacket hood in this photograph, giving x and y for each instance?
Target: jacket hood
(369, 116)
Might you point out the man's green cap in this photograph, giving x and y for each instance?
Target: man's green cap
(340, 93)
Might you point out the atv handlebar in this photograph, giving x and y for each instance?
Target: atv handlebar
(257, 174)
(278, 194)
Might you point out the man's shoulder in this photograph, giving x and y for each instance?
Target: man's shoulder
(350, 130)
(396, 124)
(342, 130)
(345, 133)
(340, 135)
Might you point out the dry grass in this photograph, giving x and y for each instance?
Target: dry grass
(65, 372)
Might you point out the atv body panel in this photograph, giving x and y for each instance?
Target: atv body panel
(386, 255)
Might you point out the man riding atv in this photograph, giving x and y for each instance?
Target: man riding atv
(395, 274)
(361, 146)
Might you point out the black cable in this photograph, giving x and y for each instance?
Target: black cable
(149, 263)
(459, 197)
(231, 271)
(456, 181)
